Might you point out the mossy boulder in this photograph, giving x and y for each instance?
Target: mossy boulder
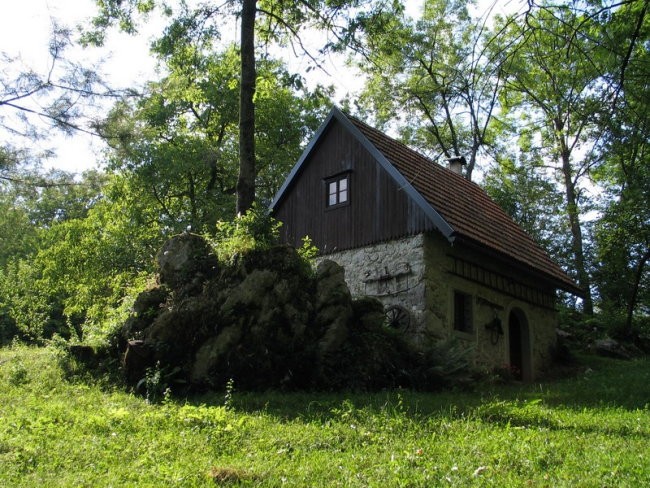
(184, 261)
(333, 311)
(147, 306)
(264, 320)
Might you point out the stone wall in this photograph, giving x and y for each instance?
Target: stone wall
(417, 273)
(393, 272)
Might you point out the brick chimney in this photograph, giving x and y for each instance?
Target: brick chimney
(456, 164)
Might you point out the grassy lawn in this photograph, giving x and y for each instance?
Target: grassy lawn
(591, 430)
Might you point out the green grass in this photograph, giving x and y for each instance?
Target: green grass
(592, 430)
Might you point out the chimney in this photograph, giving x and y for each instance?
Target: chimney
(456, 164)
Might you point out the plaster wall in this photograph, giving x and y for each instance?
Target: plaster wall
(491, 350)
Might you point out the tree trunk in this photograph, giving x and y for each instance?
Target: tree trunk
(635, 291)
(246, 179)
(576, 234)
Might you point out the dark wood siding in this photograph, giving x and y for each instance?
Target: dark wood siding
(378, 209)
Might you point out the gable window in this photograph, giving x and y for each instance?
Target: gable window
(462, 312)
(338, 190)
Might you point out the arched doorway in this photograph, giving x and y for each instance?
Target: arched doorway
(519, 340)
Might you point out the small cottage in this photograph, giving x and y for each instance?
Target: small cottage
(446, 261)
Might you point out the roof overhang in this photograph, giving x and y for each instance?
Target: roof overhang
(567, 286)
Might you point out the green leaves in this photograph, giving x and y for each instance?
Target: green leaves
(85, 246)
(255, 230)
(435, 73)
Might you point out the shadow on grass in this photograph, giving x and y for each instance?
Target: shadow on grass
(535, 415)
(601, 385)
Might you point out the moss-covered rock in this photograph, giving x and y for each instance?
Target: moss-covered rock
(264, 320)
(147, 306)
(184, 261)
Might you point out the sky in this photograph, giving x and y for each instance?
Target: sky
(25, 26)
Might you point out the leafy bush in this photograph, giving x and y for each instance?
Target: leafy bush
(8, 328)
(158, 381)
(307, 251)
(30, 306)
(18, 374)
(255, 230)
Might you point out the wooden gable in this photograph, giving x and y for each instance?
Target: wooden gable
(376, 208)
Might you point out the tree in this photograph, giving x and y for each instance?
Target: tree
(29, 203)
(84, 262)
(17, 234)
(438, 74)
(246, 178)
(623, 249)
(266, 20)
(33, 104)
(623, 233)
(179, 143)
(552, 85)
(533, 202)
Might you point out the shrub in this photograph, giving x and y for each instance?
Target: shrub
(8, 328)
(255, 230)
(445, 363)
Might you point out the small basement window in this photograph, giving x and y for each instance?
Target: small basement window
(462, 312)
(338, 189)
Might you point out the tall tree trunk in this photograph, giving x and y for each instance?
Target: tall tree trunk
(194, 210)
(246, 179)
(577, 244)
(631, 305)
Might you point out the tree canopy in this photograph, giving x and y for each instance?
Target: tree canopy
(548, 104)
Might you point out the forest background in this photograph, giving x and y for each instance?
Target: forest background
(549, 105)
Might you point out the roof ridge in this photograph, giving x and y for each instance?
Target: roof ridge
(415, 152)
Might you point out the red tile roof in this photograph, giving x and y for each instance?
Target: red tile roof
(471, 213)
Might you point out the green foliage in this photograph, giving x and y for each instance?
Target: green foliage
(435, 74)
(308, 251)
(590, 430)
(90, 249)
(622, 234)
(445, 364)
(534, 202)
(158, 381)
(255, 230)
(18, 374)
(17, 235)
(32, 310)
(178, 145)
(558, 102)
(8, 329)
(39, 100)
(229, 396)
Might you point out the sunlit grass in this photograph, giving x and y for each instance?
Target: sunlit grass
(592, 430)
